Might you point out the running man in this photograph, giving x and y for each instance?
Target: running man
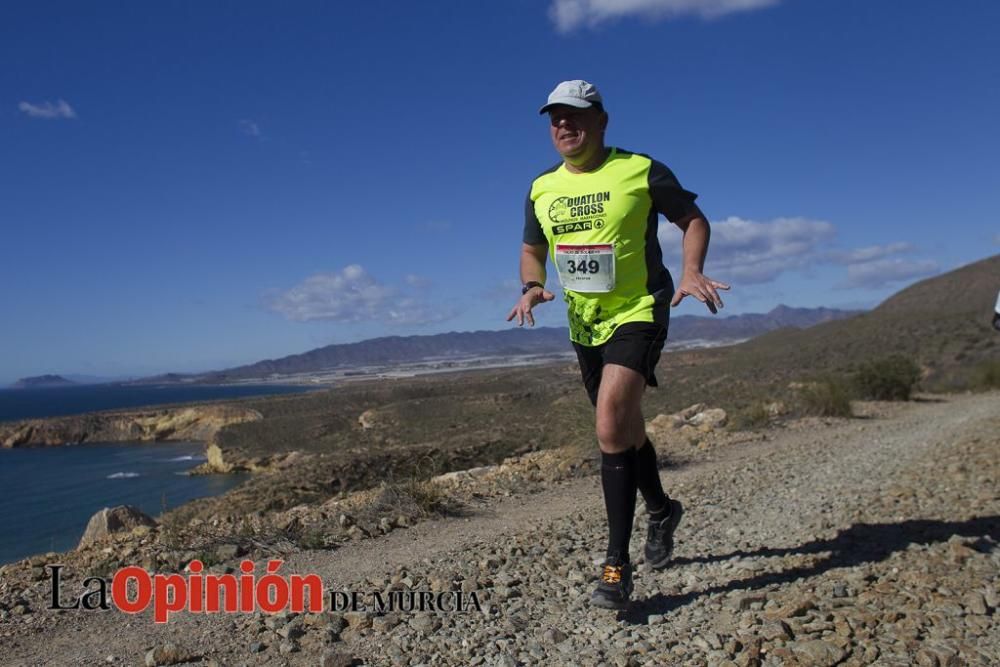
(594, 214)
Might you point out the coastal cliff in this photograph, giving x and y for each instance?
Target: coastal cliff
(200, 422)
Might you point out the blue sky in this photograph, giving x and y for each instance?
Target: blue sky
(193, 185)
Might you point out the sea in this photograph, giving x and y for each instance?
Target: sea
(73, 400)
(49, 493)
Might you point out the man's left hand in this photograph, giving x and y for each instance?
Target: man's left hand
(702, 288)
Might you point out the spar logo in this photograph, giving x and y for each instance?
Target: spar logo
(581, 226)
(570, 209)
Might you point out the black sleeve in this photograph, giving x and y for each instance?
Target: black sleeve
(533, 234)
(669, 198)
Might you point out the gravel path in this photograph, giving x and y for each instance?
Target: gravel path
(842, 542)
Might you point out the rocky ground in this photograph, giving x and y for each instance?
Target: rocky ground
(872, 540)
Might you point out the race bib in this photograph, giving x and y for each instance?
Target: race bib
(586, 268)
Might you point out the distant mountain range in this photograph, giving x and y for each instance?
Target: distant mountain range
(66, 380)
(97, 379)
(40, 381)
(686, 329)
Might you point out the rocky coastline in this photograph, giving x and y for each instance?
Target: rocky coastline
(197, 422)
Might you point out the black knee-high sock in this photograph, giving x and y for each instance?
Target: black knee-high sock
(618, 481)
(647, 478)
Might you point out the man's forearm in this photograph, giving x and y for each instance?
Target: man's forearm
(696, 244)
(532, 267)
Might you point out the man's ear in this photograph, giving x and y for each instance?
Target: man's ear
(604, 120)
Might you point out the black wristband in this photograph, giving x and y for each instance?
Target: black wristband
(528, 285)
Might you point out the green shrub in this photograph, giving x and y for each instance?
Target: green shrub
(829, 397)
(314, 538)
(890, 379)
(752, 416)
(987, 375)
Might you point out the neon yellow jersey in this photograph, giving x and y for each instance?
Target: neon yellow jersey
(600, 229)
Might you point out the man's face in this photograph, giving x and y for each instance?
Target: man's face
(576, 132)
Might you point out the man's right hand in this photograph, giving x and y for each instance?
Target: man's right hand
(531, 298)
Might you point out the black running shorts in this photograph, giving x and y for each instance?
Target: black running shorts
(635, 345)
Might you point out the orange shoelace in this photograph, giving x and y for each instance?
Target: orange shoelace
(612, 574)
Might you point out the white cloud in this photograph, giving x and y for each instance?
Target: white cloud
(869, 253)
(875, 266)
(881, 272)
(747, 251)
(571, 14)
(351, 295)
(413, 280)
(249, 128)
(48, 110)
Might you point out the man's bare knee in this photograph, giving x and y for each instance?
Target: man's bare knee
(612, 436)
(619, 422)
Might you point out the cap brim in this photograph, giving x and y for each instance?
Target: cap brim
(567, 101)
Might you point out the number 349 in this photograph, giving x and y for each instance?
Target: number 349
(584, 266)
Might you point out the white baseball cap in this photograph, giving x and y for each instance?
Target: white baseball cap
(576, 93)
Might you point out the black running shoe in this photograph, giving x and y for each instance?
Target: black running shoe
(660, 536)
(615, 586)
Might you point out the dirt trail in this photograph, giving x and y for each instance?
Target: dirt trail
(846, 542)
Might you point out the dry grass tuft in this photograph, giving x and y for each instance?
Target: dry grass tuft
(829, 397)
